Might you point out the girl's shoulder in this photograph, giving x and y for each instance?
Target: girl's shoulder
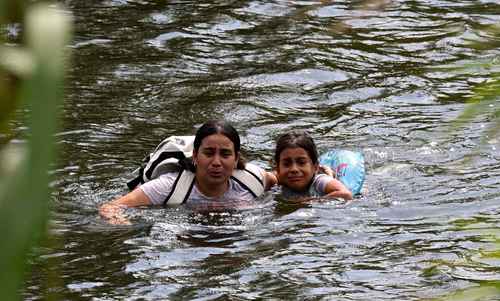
(321, 177)
(320, 181)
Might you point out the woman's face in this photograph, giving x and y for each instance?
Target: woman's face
(215, 160)
(295, 168)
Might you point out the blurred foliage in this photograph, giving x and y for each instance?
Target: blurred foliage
(485, 100)
(483, 103)
(31, 79)
(483, 263)
(486, 95)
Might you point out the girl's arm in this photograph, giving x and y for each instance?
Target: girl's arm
(335, 189)
(113, 211)
(327, 170)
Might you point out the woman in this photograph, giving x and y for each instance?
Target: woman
(216, 155)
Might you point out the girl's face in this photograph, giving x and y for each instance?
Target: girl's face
(215, 160)
(295, 168)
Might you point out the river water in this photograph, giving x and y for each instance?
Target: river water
(370, 76)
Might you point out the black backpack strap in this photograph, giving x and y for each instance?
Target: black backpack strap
(181, 189)
(132, 184)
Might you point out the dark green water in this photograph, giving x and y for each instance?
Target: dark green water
(368, 80)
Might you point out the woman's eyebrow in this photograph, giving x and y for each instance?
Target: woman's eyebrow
(214, 149)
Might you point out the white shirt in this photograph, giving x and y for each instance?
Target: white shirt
(235, 196)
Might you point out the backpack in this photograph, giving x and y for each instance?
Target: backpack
(165, 158)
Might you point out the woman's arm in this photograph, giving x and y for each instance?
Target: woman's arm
(113, 211)
(335, 189)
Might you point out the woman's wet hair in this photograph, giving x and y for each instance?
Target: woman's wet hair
(213, 127)
(296, 139)
(217, 127)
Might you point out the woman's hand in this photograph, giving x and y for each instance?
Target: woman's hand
(114, 214)
(113, 211)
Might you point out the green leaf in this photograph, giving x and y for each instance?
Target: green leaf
(483, 292)
(24, 188)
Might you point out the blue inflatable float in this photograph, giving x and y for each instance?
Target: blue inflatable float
(349, 167)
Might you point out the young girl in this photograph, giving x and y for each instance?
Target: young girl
(297, 170)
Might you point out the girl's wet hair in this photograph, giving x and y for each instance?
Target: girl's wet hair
(213, 127)
(296, 139)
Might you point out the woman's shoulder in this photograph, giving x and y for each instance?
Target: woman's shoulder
(169, 175)
(165, 179)
(254, 178)
(252, 167)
